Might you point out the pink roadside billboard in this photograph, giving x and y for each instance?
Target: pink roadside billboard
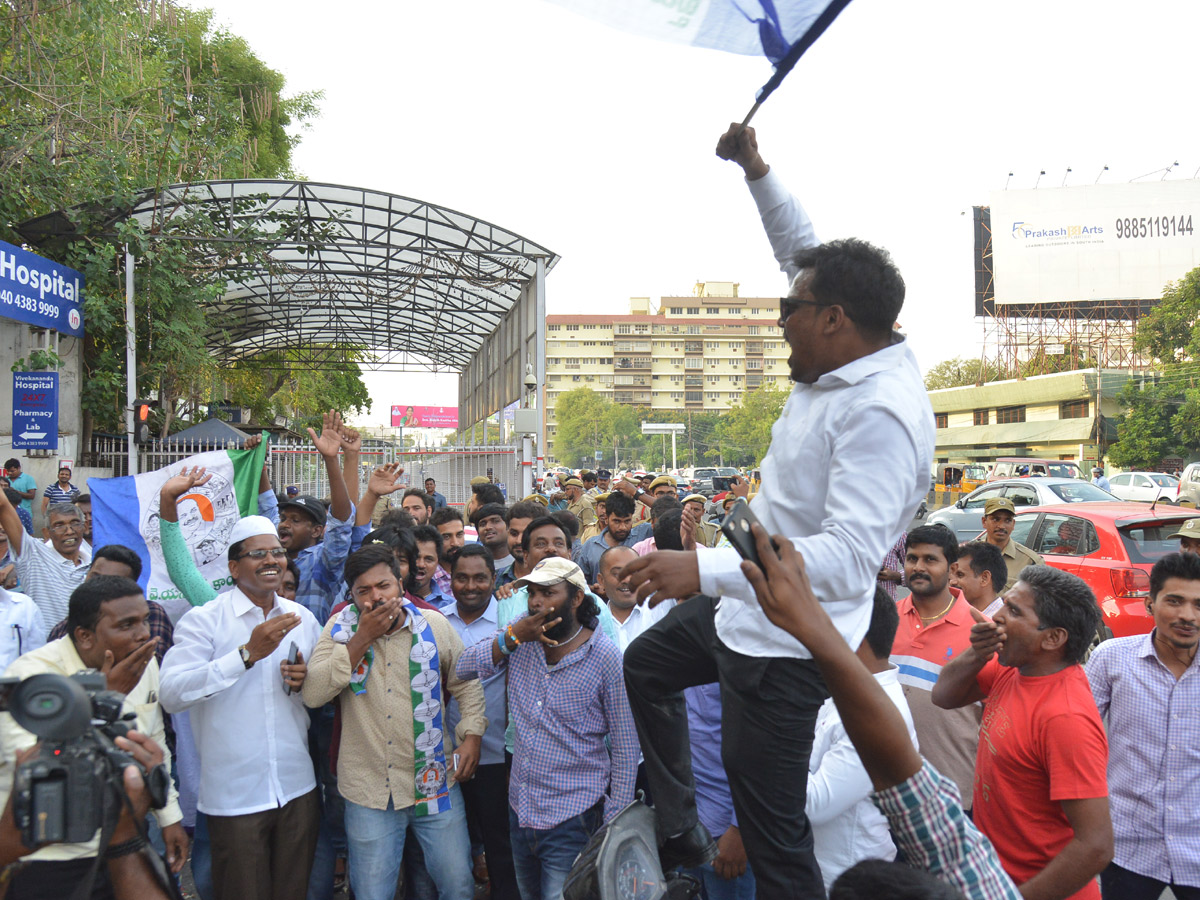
(424, 416)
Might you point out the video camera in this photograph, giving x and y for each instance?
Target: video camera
(73, 787)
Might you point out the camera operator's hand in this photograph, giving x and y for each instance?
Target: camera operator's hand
(268, 635)
(148, 755)
(11, 846)
(123, 676)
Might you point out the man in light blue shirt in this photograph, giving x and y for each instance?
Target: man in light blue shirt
(22, 483)
(474, 614)
(1099, 480)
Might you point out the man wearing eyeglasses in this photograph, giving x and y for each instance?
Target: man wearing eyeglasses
(232, 667)
(48, 572)
(858, 405)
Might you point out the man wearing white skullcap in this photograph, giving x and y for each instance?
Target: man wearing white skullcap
(238, 663)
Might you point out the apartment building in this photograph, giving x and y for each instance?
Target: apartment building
(700, 352)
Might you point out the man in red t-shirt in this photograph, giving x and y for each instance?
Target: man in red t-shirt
(1041, 790)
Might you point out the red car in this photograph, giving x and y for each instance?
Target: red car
(1111, 546)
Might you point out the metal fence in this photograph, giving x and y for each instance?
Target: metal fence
(299, 464)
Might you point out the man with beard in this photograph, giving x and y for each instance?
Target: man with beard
(577, 504)
(429, 546)
(999, 515)
(519, 517)
(474, 615)
(258, 788)
(449, 525)
(83, 503)
(1143, 685)
(1041, 785)
(390, 665)
(935, 626)
(417, 504)
(490, 522)
(618, 533)
(576, 749)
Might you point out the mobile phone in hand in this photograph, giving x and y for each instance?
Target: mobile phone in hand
(293, 655)
(736, 527)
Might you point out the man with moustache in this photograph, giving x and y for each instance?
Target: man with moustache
(429, 547)
(108, 633)
(418, 504)
(1041, 789)
(631, 619)
(999, 516)
(229, 667)
(618, 533)
(519, 516)
(576, 751)
(935, 627)
(449, 525)
(390, 666)
(48, 573)
(490, 521)
(980, 573)
(475, 616)
(1148, 689)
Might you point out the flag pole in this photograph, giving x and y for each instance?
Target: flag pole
(750, 115)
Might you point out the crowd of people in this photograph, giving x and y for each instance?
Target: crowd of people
(452, 702)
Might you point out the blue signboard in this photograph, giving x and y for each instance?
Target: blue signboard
(35, 411)
(40, 292)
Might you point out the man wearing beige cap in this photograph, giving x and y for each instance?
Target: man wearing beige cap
(999, 514)
(1189, 536)
(566, 693)
(706, 533)
(579, 505)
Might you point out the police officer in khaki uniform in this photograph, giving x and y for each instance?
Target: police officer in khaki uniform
(1189, 536)
(579, 505)
(706, 532)
(999, 515)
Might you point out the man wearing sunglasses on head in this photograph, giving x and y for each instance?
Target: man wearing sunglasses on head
(231, 666)
(858, 405)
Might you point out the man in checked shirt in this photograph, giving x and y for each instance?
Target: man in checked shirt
(566, 693)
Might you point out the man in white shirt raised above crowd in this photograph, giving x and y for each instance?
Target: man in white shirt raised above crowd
(230, 667)
(858, 405)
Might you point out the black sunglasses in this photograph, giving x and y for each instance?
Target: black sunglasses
(788, 305)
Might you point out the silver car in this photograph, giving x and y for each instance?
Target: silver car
(965, 516)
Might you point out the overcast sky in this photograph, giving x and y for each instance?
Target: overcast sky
(599, 144)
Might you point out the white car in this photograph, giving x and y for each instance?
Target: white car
(1145, 486)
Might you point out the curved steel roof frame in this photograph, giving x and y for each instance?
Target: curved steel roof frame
(417, 286)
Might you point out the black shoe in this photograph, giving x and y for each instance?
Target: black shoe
(694, 847)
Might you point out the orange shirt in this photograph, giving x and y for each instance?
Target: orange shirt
(1041, 742)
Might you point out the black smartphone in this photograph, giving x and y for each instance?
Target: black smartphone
(293, 653)
(736, 527)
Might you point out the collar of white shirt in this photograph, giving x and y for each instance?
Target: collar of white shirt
(866, 366)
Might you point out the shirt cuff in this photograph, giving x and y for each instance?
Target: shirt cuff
(231, 666)
(169, 814)
(718, 566)
(769, 191)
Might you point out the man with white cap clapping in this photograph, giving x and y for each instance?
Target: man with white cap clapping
(238, 664)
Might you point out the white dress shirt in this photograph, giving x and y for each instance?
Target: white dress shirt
(252, 739)
(846, 825)
(640, 618)
(21, 626)
(847, 468)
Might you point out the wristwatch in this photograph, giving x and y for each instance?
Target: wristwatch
(244, 651)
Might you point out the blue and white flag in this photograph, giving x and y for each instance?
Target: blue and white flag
(780, 30)
(125, 511)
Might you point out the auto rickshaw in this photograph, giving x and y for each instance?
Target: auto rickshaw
(959, 477)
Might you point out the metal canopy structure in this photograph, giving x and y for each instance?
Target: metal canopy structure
(416, 286)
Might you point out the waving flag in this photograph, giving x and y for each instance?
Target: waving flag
(780, 30)
(125, 511)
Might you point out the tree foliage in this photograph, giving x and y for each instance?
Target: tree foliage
(279, 383)
(745, 430)
(1163, 411)
(960, 372)
(103, 99)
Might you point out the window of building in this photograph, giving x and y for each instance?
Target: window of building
(641, 329)
(677, 310)
(694, 381)
(981, 417)
(694, 396)
(714, 310)
(693, 329)
(752, 329)
(676, 395)
(1074, 409)
(941, 419)
(693, 310)
(1006, 415)
(624, 328)
(713, 379)
(693, 362)
(754, 362)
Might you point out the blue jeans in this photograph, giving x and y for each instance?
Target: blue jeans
(375, 839)
(714, 887)
(543, 857)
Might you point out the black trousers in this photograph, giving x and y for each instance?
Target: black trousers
(769, 708)
(486, 799)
